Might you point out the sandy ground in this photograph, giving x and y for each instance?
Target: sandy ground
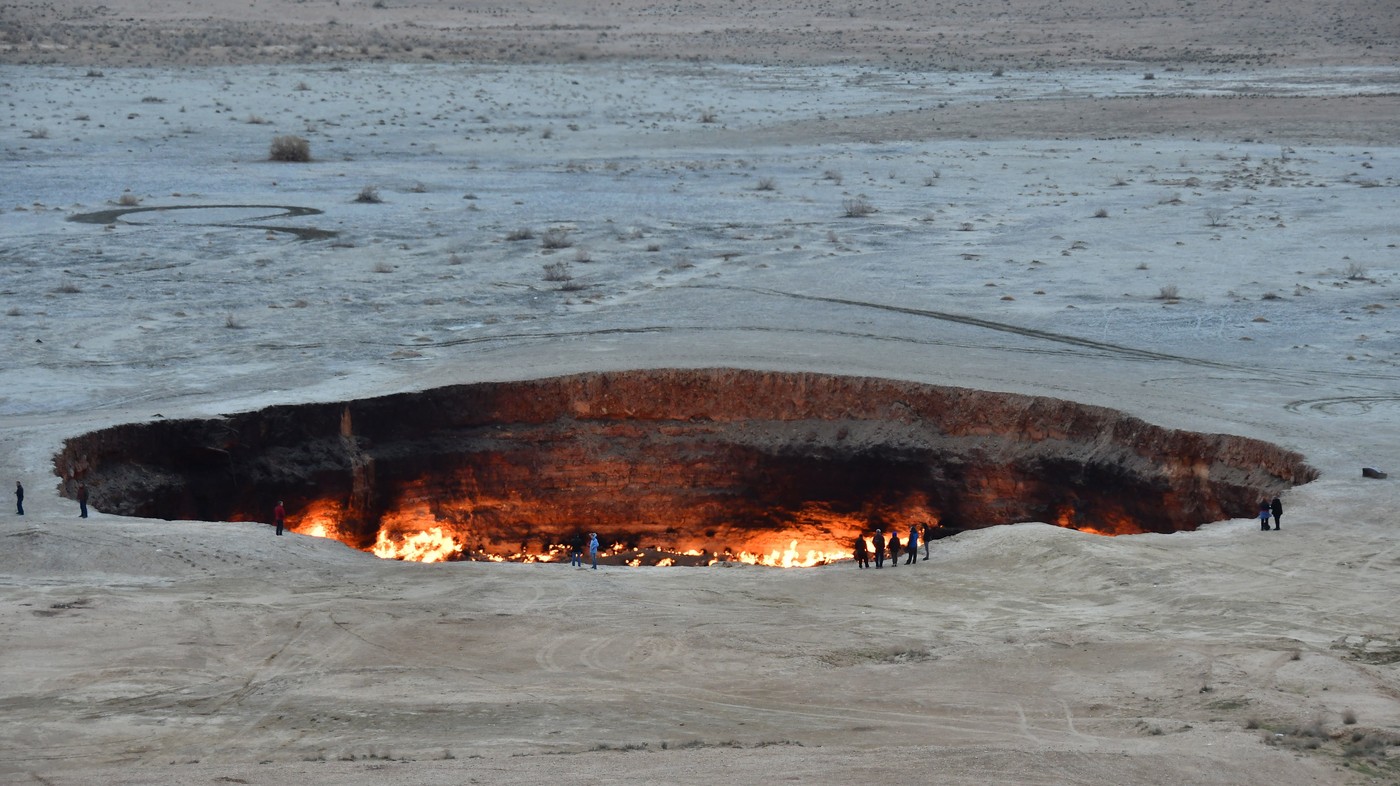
(705, 206)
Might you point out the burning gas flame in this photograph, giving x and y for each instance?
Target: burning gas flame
(430, 545)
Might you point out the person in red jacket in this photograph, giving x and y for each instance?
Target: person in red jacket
(279, 514)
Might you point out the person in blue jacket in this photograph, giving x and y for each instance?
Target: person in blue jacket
(593, 548)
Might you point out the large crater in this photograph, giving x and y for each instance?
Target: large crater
(671, 465)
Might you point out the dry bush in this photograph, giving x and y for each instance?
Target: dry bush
(128, 200)
(1356, 271)
(1168, 292)
(557, 271)
(66, 287)
(833, 176)
(1101, 213)
(523, 233)
(369, 195)
(555, 238)
(857, 207)
(1215, 216)
(38, 133)
(258, 120)
(1349, 717)
(709, 116)
(289, 148)
(766, 184)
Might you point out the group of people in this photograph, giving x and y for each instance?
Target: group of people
(576, 549)
(1267, 509)
(879, 545)
(82, 497)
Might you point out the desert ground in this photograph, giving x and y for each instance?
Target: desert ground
(1182, 211)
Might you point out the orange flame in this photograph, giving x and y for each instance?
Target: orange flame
(430, 545)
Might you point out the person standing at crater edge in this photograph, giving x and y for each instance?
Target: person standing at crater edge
(928, 535)
(82, 500)
(879, 544)
(894, 547)
(19, 498)
(279, 515)
(576, 550)
(593, 548)
(913, 545)
(862, 555)
(1276, 507)
(1264, 512)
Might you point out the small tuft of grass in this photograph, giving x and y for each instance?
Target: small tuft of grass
(766, 184)
(1168, 292)
(1101, 213)
(369, 195)
(128, 200)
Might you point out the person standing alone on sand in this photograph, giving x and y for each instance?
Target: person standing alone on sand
(862, 555)
(19, 498)
(1276, 507)
(82, 501)
(279, 515)
(879, 544)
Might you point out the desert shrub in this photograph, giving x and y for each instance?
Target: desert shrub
(231, 322)
(523, 233)
(766, 184)
(833, 176)
(66, 287)
(289, 148)
(999, 71)
(557, 271)
(302, 86)
(1168, 292)
(857, 207)
(128, 200)
(383, 267)
(38, 133)
(966, 226)
(709, 116)
(1149, 75)
(1356, 271)
(555, 238)
(1215, 216)
(582, 255)
(258, 120)
(1349, 717)
(1101, 213)
(369, 195)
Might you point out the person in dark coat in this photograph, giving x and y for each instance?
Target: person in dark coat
(1264, 512)
(576, 550)
(862, 555)
(879, 544)
(1276, 507)
(894, 547)
(912, 545)
(928, 535)
(19, 498)
(82, 501)
(279, 516)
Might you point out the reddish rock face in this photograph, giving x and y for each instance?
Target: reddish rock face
(685, 465)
